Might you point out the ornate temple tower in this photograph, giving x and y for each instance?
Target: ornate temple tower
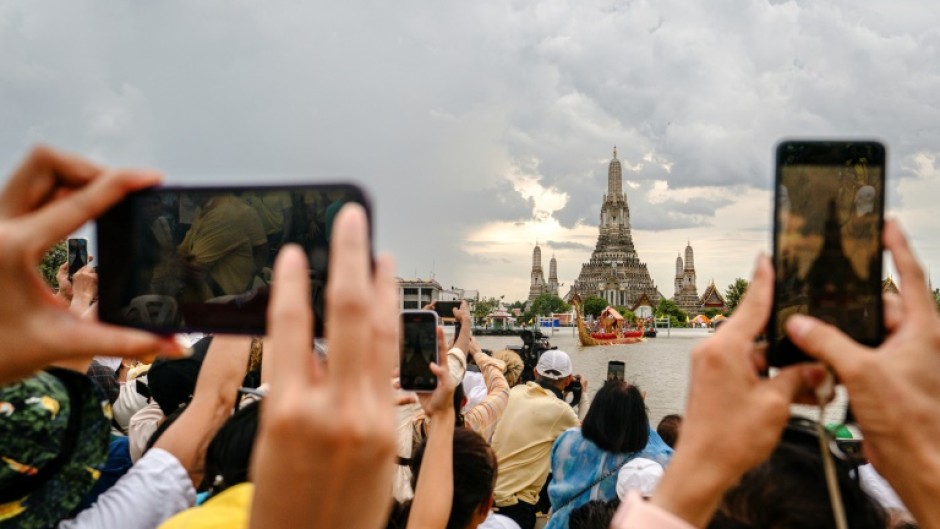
(537, 282)
(615, 272)
(553, 277)
(686, 296)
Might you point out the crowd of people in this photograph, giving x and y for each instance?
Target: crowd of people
(106, 427)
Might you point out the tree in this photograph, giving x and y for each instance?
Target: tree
(936, 297)
(710, 313)
(668, 309)
(546, 304)
(627, 314)
(51, 262)
(484, 308)
(735, 292)
(594, 305)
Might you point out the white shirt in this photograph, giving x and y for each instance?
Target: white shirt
(153, 490)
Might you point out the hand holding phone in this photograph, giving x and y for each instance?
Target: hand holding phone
(199, 259)
(418, 348)
(828, 221)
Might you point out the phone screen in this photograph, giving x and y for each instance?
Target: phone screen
(615, 370)
(418, 349)
(828, 221)
(77, 255)
(445, 309)
(199, 259)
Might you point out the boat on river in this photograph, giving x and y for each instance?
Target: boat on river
(611, 337)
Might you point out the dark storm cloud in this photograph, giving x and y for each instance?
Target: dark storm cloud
(433, 106)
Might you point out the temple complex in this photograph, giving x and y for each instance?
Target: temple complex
(686, 293)
(537, 284)
(615, 272)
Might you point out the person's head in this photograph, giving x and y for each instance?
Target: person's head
(54, 435)
(554, 366)
(474, 478)
(595, 514)
(514, 365)
(668, 429)
(229, 452)
(788, 491)
(617, 420)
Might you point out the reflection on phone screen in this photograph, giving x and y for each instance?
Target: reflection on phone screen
(201, 259)
(828, 237)
(418, 350)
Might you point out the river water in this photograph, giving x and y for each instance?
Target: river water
(659, 366)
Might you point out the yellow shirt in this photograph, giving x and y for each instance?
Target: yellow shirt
(229, 510)
(222, 238)
(533, 419)
(270, 207)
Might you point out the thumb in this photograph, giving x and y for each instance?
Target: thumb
(825, 342)
(87, 339)
(797, 383)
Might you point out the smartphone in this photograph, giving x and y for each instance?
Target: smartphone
(199, 259)
(445, 309)
(615, 370)
(77, 255)
(418, 349)
(827, 240)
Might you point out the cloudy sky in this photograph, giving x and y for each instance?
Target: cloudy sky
(481, 127)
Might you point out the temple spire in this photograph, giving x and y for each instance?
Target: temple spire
(615, 152)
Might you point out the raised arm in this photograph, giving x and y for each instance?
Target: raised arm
(724, 376)
(483, 417)
(430, 508)
(213, 400)
(893, 388)
(328, 435)
(48, 197)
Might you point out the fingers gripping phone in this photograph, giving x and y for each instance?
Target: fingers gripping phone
(418, 349)
(77, 255)
(615, 370)
(828, 222)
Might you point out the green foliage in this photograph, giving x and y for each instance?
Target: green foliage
(735, 292)
(627, 314)
(711, 313)
(668, 309)
(51, 262)
(593, 306)
(936, 297)
(484, 308)
(546, 304)
(517, 305)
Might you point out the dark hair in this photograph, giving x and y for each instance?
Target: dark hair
(595, 514)
(617, 420)
(229, 452)
(474, 475)
(668, 429)
(788, 491)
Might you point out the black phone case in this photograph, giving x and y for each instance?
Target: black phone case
(781, 350)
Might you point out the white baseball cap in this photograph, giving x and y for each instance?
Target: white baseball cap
(639, 474)
(554, 364)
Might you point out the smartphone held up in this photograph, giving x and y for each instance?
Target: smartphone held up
(77, 255)
(827, 240)
(199, 259)
(418, 348)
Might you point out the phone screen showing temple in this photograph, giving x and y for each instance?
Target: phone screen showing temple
(827, 240)
(201, 259)
(418, 349)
